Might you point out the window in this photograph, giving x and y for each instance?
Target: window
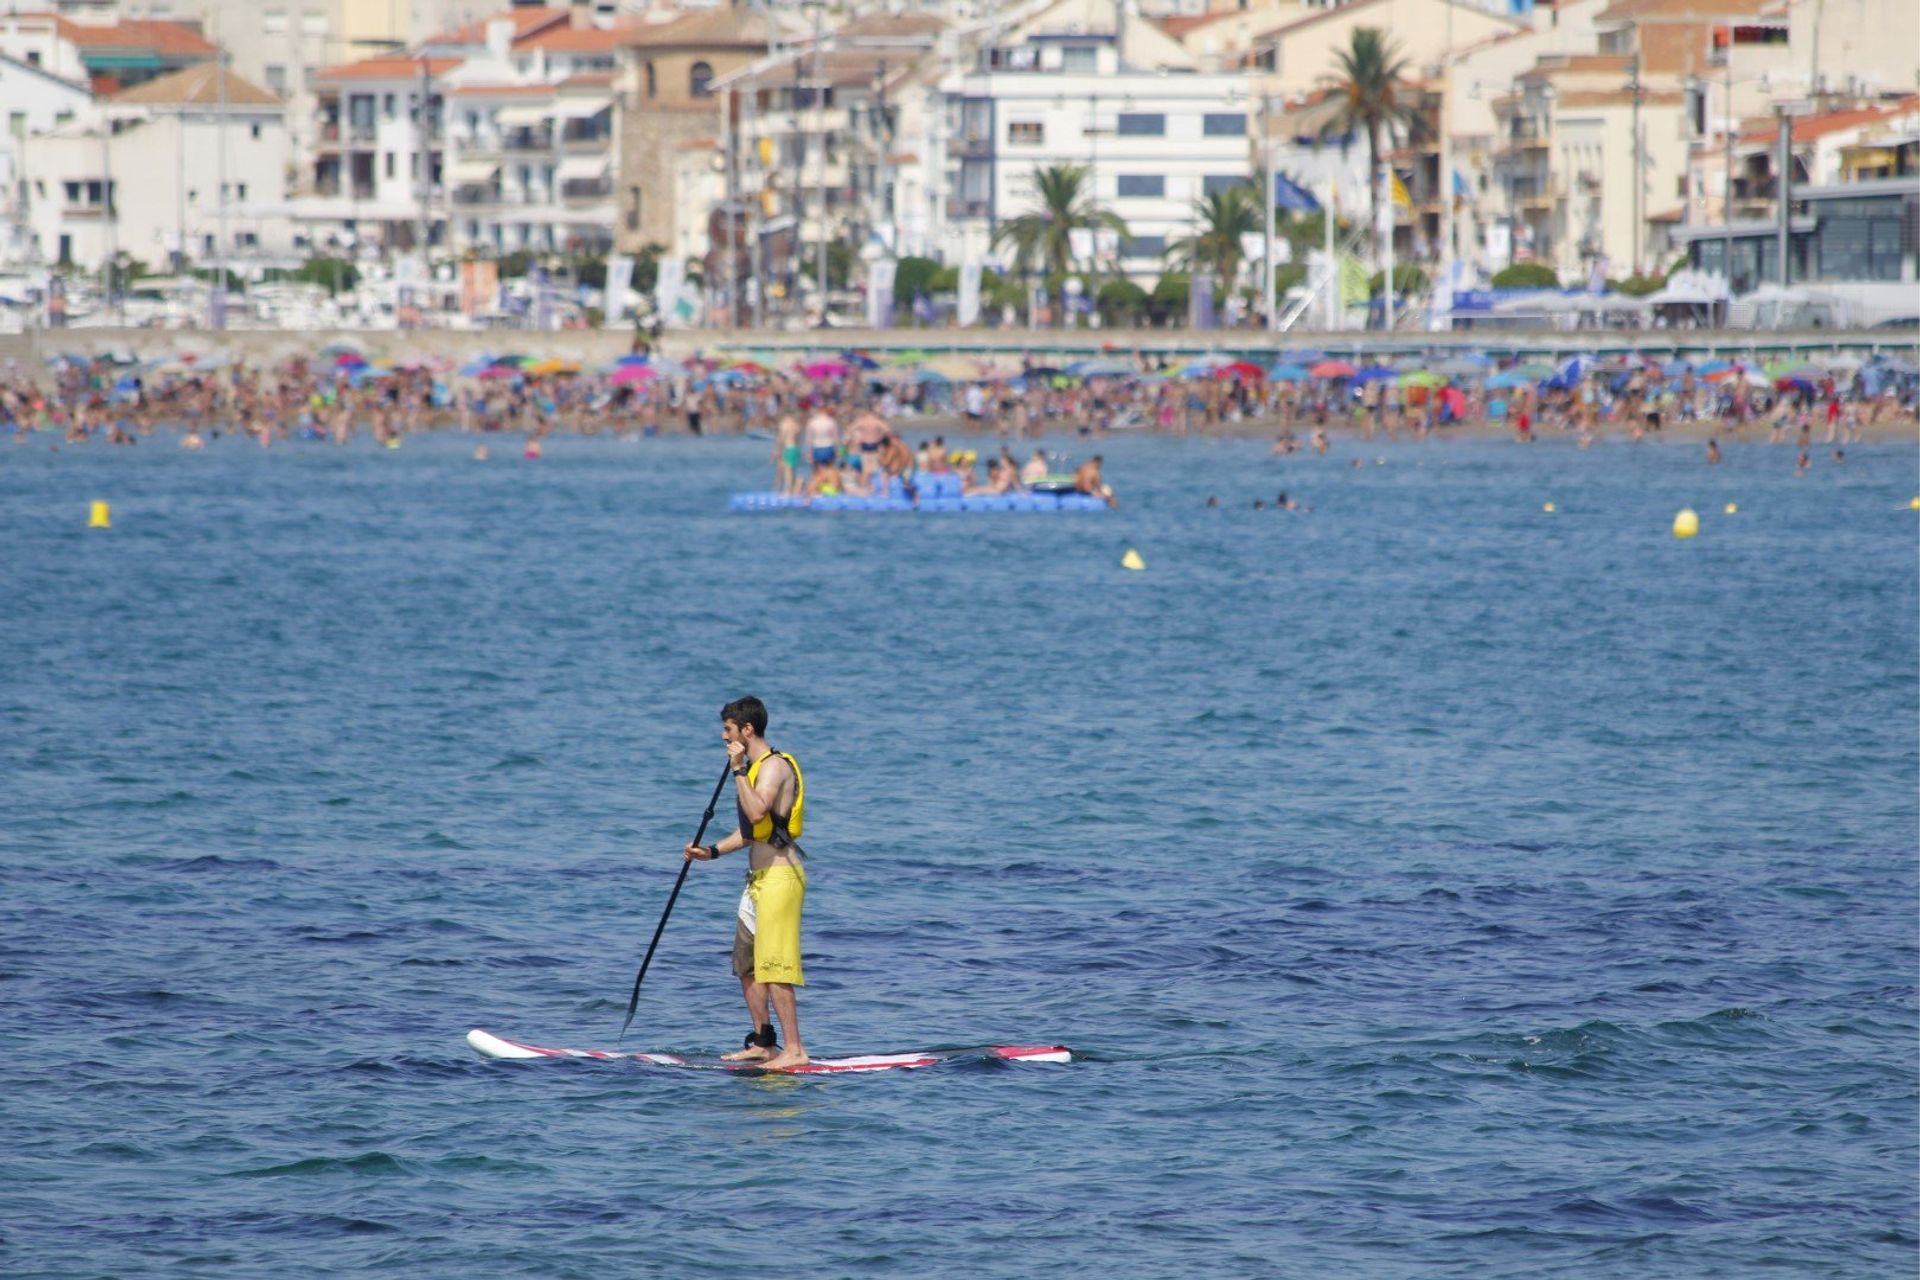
(1142, 184)
(17, 123)
(700, 80)
(273, 22)
(254, 131)
(1223, 125)
(33, 57)
(1144, 247)
(653, 83)
(1131, 124)
(1214, 183)
(1026, 133)
(313, 24)
(277, 79)
(1079, 57)
(387, 106)
(633, 209)
(73, 192)
(240, 191)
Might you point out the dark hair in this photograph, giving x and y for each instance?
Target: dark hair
(747, 710)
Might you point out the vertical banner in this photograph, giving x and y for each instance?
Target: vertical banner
(880, 276)
(666, 292)
(969, 294)
(1200, 301)
(542, 299)
(479, 287)
(619, 280)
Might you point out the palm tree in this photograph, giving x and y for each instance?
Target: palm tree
(1368, 90)
(1220, 220)
(1046, 231)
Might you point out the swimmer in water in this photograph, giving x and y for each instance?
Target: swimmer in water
(1713, 452)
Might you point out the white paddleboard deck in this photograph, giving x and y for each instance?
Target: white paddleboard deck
(489, 1045)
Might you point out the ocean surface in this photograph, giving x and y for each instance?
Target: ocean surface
(1429, 884)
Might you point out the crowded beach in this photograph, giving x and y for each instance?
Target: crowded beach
(867, 423)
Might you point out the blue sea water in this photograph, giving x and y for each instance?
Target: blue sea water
(1432, 886)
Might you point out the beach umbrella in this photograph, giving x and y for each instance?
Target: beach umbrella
(826, 369)
(1422, 378)
(1898, 368)
(1288, 373)
(1676, 367)
(629, 360)
(1042, 371)
(1462, 366)
(495, 372)
(1841, 362)
(1712, 367)
(631, 374)
(1101, 368)
(349, 360)
(340, 347)
(553, 365)
(1507, 379)
(668, 368)
(751, 368)
(1332, 369)
(1241, 371)
(859, 360)
(1375, 373)
(1793, 384)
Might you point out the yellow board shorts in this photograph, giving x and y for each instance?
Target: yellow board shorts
(771, 953)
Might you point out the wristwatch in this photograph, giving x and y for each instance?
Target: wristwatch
(739, 772)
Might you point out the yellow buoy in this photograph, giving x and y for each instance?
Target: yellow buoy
(1132, 560)
(1687, 523)
(1549, 508)
(1914, 505)
(1733, 508)
(101, 517)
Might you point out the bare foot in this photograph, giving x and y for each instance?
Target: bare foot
(788, 1058)
(752, 1053)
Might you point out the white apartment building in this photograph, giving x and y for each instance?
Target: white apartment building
(32, 101)
(164, 167)
(1154, 141)
(362, 184)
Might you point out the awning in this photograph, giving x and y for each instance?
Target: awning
(522, 117)
(581, 168)
(469, 173)
(581, 108)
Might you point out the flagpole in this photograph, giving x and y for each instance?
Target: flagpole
(1386, 313)
(1329, 215)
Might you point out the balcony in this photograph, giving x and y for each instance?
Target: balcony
(329, 133)
(584, 143)
(475, 197)
(527, 140)
(582, 190)
(971, 146)
(363, 134)
(85, 212)
(965, 207)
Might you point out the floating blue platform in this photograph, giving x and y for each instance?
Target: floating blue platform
(937, 493)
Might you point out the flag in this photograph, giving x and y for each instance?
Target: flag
(880, 277)
(1399, 189)
(619, 280)
(1353, 281)
(969, 310)
(1291, 196)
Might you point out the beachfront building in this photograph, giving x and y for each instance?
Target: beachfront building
(207, 160)
(33, 100)
(110, 54)
(665, 99)
(1579, 192)
(816, 133)
(361, 186)
(1081, 84)
(1851, 251)
(531, 140)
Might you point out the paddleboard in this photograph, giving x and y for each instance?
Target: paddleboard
(489, 1045)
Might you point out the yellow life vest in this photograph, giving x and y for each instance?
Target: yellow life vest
(794, 821)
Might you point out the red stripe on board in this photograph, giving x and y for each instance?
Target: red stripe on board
(820, 1068)
(1023, 1051)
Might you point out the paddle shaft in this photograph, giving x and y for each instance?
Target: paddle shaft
(685, 863)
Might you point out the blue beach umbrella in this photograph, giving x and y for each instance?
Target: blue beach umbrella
(1375, 373)
(1507, 379)
(1676, 367)
(1288, 373)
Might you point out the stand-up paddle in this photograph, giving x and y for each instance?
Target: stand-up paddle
(634, 1002)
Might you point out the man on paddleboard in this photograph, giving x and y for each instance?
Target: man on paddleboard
(771, 798)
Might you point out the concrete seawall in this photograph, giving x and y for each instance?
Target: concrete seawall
(600, 346)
